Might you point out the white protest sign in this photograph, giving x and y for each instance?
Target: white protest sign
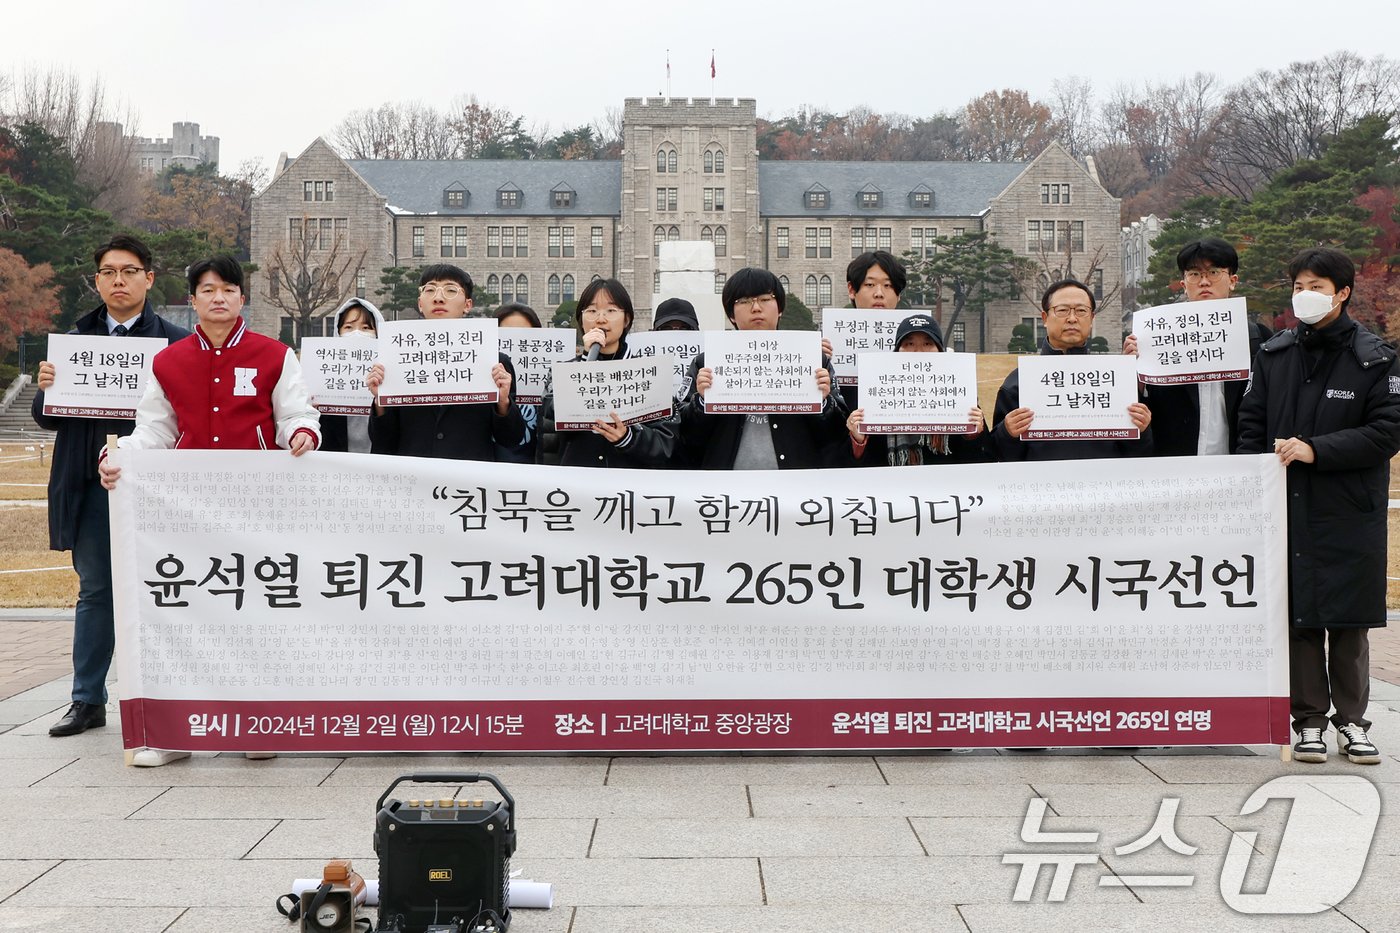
(638, 390)
(683, 346)
(334, 369)
(852, 332)
(1195, 341)
(918, 393)
(532, 351)
(438, 362)
(770, 371)
(515, 607)
(99, 377)
(1079, 397)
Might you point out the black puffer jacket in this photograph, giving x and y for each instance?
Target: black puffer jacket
(1339, 390)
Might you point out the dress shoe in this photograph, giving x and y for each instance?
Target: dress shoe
(80, 718)
(156, 757)
(259, 756)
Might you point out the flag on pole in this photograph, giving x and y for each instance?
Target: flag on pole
(712, 64)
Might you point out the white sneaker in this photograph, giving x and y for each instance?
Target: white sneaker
(259, 756)
(156, 757)
(1353, 742)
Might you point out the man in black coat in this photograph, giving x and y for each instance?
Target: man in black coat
(1203, 418)
(78, 517)
(754, 300)
(453, 432)
(1325, 397)
(1067, 310)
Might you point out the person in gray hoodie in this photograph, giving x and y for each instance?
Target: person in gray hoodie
(350, 433)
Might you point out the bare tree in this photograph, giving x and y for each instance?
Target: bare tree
(396, 131)
(1076, 122)
(1050, 262)
(98, 133)
(308, 277)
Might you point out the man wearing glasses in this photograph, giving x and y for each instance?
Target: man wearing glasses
(454, 432)
(1190, 420)
(77, 503)
(753, 300)
(1067, 310)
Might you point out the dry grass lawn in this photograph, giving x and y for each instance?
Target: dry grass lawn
(24, 540)
(22, 475)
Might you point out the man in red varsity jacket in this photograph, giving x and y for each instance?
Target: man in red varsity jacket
(223, 387)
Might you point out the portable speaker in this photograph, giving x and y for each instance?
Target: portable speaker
(445, 859)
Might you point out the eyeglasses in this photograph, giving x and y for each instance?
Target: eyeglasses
(744, 304)
(602, 312)
(447, 292)
(1195, 275)
(1065, 311)
(107, 273)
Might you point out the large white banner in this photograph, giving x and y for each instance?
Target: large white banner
(342, 602)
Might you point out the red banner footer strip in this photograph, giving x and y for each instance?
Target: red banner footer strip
(685, 725)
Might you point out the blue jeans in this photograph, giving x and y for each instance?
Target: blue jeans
(94, 627)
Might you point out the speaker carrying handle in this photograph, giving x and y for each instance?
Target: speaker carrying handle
(449, 777)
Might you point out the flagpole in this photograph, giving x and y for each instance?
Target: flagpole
(712, 75)
(668, 74)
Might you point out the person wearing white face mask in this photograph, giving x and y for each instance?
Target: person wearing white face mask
(350, 433)
(1325, 397)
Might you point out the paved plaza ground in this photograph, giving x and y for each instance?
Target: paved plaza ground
(710, 844)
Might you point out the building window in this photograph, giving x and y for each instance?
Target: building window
(811, 242)
(522, 241)
(719, 199)
(418, 238)
(709, 199)
(274, 286)
(709, 162)
(554, 242)
(719, 161)
(493, 241)
(507, 288)
(809, 292)
(359, 283)
(666, 199)
(673, 233)
(719, 283)
(445, 242)
(660, 160)
(329, 228)
(886, 241)
(568, 285)
(824, 243)
(522, 289)
(1032, 235)
(507, 241)
(508, 197)
(493, 285)
(1044, 194)
(1076, 236)
(318, 191)
(563, 199)
(824, 291)
(959, 231)
(921, 199)
(454, 197)
(306, 188)
(871, 199)
(1054, 194)
(707, 235)
(787, 286)
(294, 230)
(342, 228)
(857, 241)
(553, 283)
(595, 242)
(1098, 285)
(958, 333)
(721, 241)
(817, 199)
(782, 241)
(671, 162)
(568, 241)
(461, 244)
(658, 238)
(655, 281)
(922, 241)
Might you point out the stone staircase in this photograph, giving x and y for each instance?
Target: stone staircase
(15, 419)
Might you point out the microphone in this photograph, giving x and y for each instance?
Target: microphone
(593, 352)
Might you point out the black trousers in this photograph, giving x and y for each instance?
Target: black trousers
(1339, 676)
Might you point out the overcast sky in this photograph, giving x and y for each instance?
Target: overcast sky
(268, 77)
